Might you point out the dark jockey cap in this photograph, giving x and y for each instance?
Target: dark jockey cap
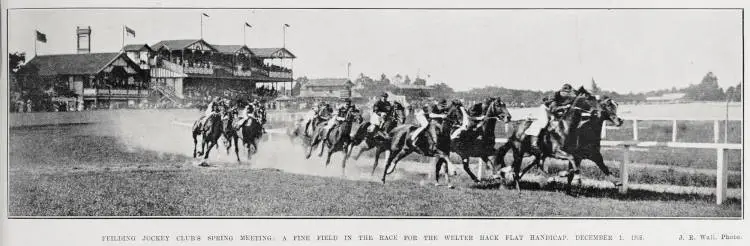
(567, 87)
(385, 94)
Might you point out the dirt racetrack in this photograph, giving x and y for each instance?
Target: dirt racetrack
(141, 166)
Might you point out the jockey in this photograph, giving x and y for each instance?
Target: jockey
(421, 115)
(245, 114)
(465, 120)
(540, 118)
(379, 109)
(562, 98)
(213, 107)
(313, 115)
(338, 116)
(439, 110)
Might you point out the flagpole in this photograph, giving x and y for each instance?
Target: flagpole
(35, 41)
(283, 45)
(244, 36)
(201, 25)
(123, 37)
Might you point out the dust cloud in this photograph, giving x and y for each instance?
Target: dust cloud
(168, 132)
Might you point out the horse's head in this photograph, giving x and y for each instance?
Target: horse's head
(496, 108)
(608, 110)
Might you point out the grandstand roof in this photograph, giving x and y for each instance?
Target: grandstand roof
(180, 44)
(272, 53)
(92, 63)
(136, 47)
(231, 49)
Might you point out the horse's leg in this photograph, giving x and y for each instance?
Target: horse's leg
(378, 151)
(597, 158)
(398, 158)
(438, 162)
(236, 148)
(485, 163)
(388, 162)
(465, 161)
(501, 152)
(313, 143)
(343, 162)
(361, 150)
(203, 144)
(331, 149)
(445, 162)
(195, 144)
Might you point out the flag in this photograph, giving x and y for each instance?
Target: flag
(130, 31)
(286, 25)
(204, 14)
(41, 37)
(247, 25)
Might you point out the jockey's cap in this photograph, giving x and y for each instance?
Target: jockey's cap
(385, 94)
(443, 101)
(567, 87)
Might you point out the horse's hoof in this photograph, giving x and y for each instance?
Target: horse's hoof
(203, 164)
(451, 187)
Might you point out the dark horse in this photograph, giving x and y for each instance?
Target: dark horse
(339, 138)
(251, 131)
(471, 143)
(573, 135)
(367, 140)
(479, 141)
(230, 134)
(401, 144)
(210, 133)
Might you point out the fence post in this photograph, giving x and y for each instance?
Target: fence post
(721, 177)
(716, 131)
(635, 130)
(604, 129)
(674, 130)
(624, 169)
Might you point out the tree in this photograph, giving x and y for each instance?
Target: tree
(442, 90)
(707, 90)
(407, 80)
(594, 88)
(16, 60)
(363, 80)
(384, 80)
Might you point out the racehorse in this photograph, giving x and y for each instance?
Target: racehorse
(339, 138)
(367, 140)
(401, 144)
(210, 133)
(251, 131)
(470, 143)
(573, 135)
(479, 141)
(230, 133)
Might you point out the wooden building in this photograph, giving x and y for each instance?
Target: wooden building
(98, 80)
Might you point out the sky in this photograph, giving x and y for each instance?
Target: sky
(623, 50)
